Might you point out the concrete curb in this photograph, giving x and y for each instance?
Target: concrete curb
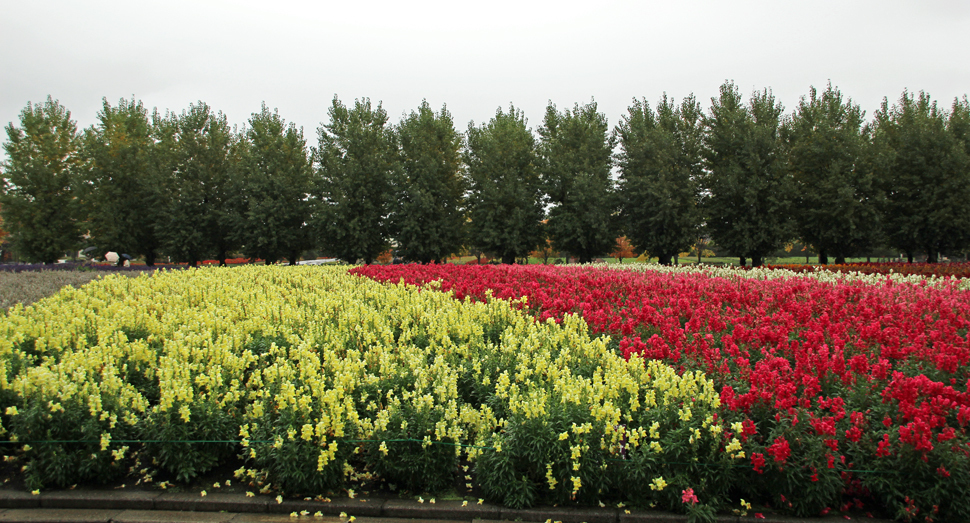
(116, 506)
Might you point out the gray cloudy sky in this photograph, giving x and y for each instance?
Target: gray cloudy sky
(474, 56)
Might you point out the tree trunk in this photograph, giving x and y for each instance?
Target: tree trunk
(508, 259)
(150, 258)
(756, 260)
(931, 256)
(868, 259)
(222, 258)
(677, 259)
(909, 256)
(744, 261)
(663, 259)
(823, 258)
(120, 262)
(839, 259)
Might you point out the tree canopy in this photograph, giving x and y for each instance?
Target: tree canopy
(196, 153)
(576, 149)
(661, 165)
(39, 196)
(504, 201)
(275, 179)
(921, 164)
(747, 202)
(122, 187)
(429, 218)
(357, 171)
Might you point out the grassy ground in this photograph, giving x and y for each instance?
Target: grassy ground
(28, 287)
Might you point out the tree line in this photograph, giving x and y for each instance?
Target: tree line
(744, 174)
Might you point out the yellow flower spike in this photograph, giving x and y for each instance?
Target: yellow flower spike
(249, 494)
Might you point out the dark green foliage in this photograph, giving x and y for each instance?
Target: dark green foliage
(504, 201)
(421, 467)
(38, 193)
(429, 220)
(921, 164)
(660, 167)
(123, 189)
(78, 458)
(748, 193)
(532, 450)
(576, 149)
(834, 199)
(209, 438)
(195, 151)
(275, 179)
(292, 463)
(356, 171)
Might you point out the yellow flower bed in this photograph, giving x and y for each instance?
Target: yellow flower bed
(319, 377)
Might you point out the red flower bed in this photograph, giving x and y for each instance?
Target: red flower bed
(845, 391)
(958, 270)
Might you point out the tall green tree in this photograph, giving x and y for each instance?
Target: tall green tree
(747, 191)
(576, 149)
(834, 199)
(921, 164)
(196, 152)
(38, 195)
(357, 172)
(122, 189)
(505, 192)
(275, 178)
(660, 169)
(429, 220)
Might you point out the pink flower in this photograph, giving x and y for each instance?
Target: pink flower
(688, 496)
(759, 515)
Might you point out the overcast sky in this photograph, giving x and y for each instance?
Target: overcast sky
(474, 56)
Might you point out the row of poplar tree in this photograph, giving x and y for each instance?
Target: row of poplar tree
(744, 174)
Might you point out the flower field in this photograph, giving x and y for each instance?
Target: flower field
(319, 378)
(844, 392)
(696, 390)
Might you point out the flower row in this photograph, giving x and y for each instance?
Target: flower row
(849, 392)
(318, 378)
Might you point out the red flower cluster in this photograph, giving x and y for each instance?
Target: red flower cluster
(780, 450)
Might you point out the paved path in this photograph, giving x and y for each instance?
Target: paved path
(117, 506)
